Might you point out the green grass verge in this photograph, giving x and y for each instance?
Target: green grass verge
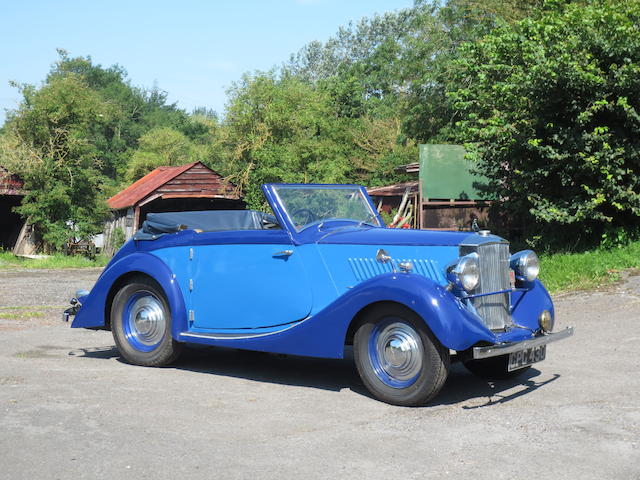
(21, 315)
(9, 261)
(566, 272)
(27, 312)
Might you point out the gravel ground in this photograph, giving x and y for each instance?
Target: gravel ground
(70, 408)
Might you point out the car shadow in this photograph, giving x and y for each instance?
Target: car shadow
(322, 373)
(104, 353)
(461, 387)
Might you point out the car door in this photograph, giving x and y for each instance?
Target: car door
(247, 280)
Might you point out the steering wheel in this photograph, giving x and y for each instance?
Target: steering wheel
(310, 216)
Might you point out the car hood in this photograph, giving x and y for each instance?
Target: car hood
(395, 236)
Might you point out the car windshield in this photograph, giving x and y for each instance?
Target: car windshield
(308, 205)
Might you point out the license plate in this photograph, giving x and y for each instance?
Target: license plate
(524, 358)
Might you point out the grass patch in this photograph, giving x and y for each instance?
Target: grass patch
(9, 261)
(566, 272)
(21, 315)
(26, 312)
(34, 307)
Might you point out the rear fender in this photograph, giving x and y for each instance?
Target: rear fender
(94, 309)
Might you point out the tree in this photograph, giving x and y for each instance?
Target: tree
(351, 44)
(72, 140)
(430, 48)
(161, 146)
(134, 111)
(46, 142)
(281, 129)
(377, 152)
(550, 108)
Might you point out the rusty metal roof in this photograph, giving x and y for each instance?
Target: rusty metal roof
(10, 184)
(140, 189)
(395, 190)
(409, 168)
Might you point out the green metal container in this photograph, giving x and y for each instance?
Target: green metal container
(445, 174)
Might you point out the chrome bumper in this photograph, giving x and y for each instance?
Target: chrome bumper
(510, 347)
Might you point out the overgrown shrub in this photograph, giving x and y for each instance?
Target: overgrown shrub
(550, 110)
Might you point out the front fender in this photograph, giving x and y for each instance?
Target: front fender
(93, 310)
(455, 326)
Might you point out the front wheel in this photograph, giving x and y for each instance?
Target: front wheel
(141, 324)
(399, 360)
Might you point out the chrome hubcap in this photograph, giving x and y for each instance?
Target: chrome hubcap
(147, 320)
(399, 350)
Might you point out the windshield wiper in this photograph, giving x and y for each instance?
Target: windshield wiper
(369, 219)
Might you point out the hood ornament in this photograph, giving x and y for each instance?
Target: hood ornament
(476, 228)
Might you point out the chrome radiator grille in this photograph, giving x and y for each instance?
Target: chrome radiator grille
(494, 276)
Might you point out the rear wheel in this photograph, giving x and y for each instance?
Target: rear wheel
(399, 360)
(141, 324)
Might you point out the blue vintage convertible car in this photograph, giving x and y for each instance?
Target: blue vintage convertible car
(319, 274)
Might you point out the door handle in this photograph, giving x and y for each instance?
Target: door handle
(283, 253)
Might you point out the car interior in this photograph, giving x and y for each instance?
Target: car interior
(158, 224)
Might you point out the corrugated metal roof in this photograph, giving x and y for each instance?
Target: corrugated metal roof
(409, 168)
(396, 190)
(147, 184)
(10, 184)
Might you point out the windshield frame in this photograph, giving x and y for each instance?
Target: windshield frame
(280, 210)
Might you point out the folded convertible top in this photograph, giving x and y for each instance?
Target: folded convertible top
(158, 224)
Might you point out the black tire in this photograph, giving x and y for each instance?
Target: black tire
(494, 368)
(408, 374)
(141, 324)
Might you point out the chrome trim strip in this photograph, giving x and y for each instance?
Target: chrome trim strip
(510, 347)
(509, 290)
(475, 240)
(233, 336)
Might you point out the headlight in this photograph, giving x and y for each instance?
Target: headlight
(466, 272)
(546, 321)
(526, 265)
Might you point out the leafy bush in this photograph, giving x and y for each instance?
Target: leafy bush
(550, 111)
(118, 238)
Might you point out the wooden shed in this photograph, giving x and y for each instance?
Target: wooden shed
(446, 196)
(401, 199)
(11, 224)
(168, 189)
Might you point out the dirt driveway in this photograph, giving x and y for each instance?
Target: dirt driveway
(70, 408)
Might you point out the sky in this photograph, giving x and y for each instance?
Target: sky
(191, 49)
